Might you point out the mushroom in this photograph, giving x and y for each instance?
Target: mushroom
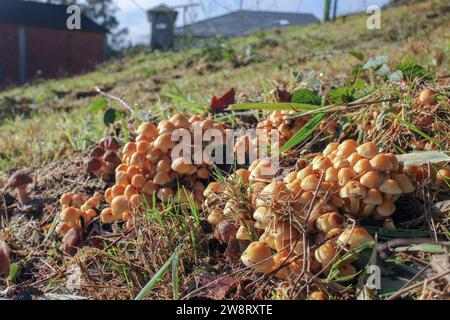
(370, 179)
(317, 295)
(390, 187)
(325, 254)
(386, 209)
(345, 175)
(258, 256)
(346, 148)
(381, 162)
(310, 183)
(20, 181)
(71, 215)
(328, 221)
(354, 237)
(216, 216)
(372, 199)
(443, 177)
(427, 97)
(355, 191)
(367, 150)
(107, 216)
(403, 182)
(120, 206)
(362, 166)
(243, 234)
(148, 130)
(109, 144)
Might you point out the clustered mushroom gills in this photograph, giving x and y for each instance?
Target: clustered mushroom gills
(346, 177)
(103, 159)
(20, 181)
(147, 170)
(76, 209)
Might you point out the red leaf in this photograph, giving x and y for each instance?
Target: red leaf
(283, 95)
(218, 105)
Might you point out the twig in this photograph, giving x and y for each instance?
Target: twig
(121, 101)
(414, 286)
(383, 247)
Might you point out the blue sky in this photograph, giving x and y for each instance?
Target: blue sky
(132, 15)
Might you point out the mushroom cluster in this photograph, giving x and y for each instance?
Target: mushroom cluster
(150, 173)
(103, 159)
(278, 215)
(76, 211)
(357, 178)
(345, 178)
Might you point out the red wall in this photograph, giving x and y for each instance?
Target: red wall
(50, 52)
(9, 52)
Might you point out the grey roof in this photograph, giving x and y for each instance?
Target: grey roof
(30, 13)
(161, 8)
(244, 22)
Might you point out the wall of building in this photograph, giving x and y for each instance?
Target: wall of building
(48, 52)
(9, 54)
(53, 53)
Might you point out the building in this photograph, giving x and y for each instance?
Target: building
(35, 42)
(162, 19)
(244, 22)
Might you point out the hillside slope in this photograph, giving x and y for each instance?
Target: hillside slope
(49, 119)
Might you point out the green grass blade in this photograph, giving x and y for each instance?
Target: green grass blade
(412, 127)
(156, 278)
(274, 107)
(175, 276)
(304, 133)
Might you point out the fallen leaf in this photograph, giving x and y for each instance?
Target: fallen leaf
(218, 105)
(212, 286)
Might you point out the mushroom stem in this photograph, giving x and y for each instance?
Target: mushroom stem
(368, 210)
(23, 194)
(354, 206)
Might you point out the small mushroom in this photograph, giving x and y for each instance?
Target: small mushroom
(109, 144)
(120, 206)
(381, 162)
(386, 209)
(367, 150)
(243, 234)
(20, 181)
(71, 216)
(258, 256)
(317, 295)
(354, 237)
(328, 221)
(325, 254)
(391, 187)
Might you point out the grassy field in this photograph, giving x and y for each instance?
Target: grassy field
(49, 119)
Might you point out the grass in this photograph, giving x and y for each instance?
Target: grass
(48, 119)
